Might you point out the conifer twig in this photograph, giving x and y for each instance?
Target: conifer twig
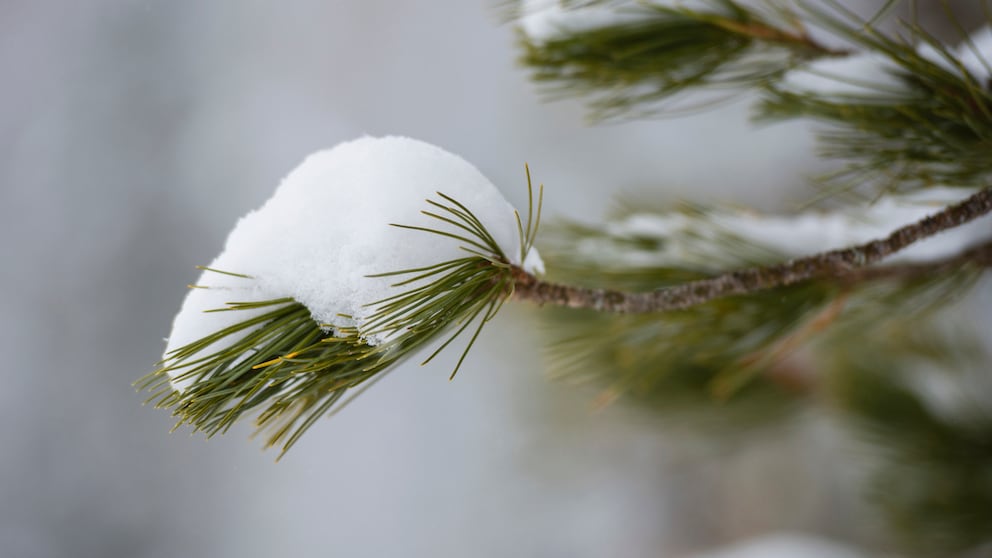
(763, 32)
(843, 263)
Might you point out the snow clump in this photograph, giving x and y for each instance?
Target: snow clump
(543, 21)
(866, 74)
(327, 227)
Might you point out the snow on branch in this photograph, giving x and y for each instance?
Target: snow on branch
(334, 280)
(835, 263)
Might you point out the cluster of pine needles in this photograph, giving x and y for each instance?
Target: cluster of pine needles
(291, 370)
(666, 60)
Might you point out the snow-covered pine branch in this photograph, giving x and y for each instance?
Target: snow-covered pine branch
(736, 317)
(326, 287)
(316, 294)
(903, 111)
(662, 55)
(835, 246)
(730, 356)
(336, 278)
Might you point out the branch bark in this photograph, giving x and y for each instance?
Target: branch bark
(762, 32)
(845, 264)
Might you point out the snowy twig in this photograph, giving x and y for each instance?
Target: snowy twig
(328, 297)
(845, 264)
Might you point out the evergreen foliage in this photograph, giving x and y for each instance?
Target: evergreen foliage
(730, 354)
(638, 62)
(936, 131)
(863, 349)
(852, 345)
(931, 474)
(294, 370)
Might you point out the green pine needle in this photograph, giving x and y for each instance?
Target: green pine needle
(290, 370)
(931, 469)
(666, 51)
(938, 131)
(731, 363)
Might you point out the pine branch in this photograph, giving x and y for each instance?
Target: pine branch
(836, 263)
(920, 116)
(650, 53)
(290, 370)
(797, 38)
(738, 364)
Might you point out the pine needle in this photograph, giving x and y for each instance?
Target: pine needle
(288, 370)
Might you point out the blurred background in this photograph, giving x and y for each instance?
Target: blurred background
(134, 134)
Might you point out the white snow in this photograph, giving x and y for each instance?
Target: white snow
(976, 54)
(547, 20)
(864, 75)
(818, 232)
(327, 227)
(784, 545)
(689, 240)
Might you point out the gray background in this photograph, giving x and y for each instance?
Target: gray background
(132, 136)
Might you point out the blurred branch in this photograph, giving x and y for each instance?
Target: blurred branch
(845, 264)
(646, 53)
(931, 458)
(910, 112)
(904, 110)
(797, 38)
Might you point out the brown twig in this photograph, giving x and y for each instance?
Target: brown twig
(767, 33)
(848, 264)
